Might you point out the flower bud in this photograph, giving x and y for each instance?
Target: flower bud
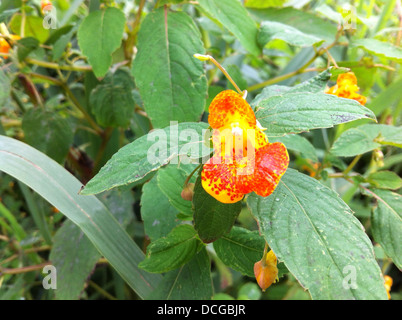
(266, 270)
(188, 192)
(378, 157)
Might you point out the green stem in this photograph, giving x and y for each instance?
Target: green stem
(51, 65)
(302, 69)
(105, 139)
(191, 174)
(101, 291)
(220, 67)
(351, 165)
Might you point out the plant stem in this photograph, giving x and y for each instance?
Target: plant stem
(105, 139)
(72, 98)
(101, 291)
(351, 165)
(191, 174)
(302, 69)
(216, 63)
(24, 269)
(51, 65)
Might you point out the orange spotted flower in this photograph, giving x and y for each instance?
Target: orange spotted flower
(5, 45)
(346, 87)
(266, 270)
(46, 5)
(243, 160)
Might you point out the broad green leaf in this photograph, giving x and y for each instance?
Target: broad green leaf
(385, 180)
(316, 235)
(386, 220)
(235, 18)
(212, 219)
(60, 188)
(304, 111)
(380, 48)
(112, 101)
(171, 81)
(283, 110)
(240, 249)
(148, 153)
(271, 30)
(366, 138)
(299, 144)
(74, 257)
(189, 282)
(171, 181)
(173, 251)
(25, 46)
(33, 27)
(55, 141)
(99, 35)
(158, 214)
(262, 4)
(301, 20)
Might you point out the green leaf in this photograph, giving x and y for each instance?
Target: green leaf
(304, 111)
(99, 35)
(111, 101)
(173, 251)
(74, 257)
(60, 188)
(262, 4)
(299, 144)
(385, 180)
(26, 46)
(36, 210)
(235, 18)
(240, 249)
(316, 235)
(171, 81)
(366, 138)
(379, 48)
(33, 27)
(189, 282)
(386, 221)
(271, 30)
(158, 214)
(170, 181)
(55, 141)
(388, 97)
(212, 218)
(59, 47)
(301, 20)
(249, 291)
(148, 153)
(285, 110)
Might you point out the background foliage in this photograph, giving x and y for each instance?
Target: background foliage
(77, 106)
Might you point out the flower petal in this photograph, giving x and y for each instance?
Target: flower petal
(218, 178)
(228, 179)
(230, 107)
